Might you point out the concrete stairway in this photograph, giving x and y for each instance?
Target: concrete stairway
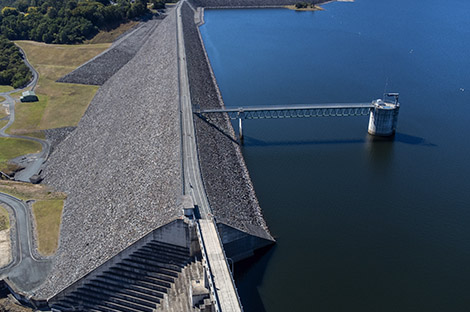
(137, 283)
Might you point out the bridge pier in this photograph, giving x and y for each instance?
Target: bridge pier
(383, 117)
(240, 124)
(240, 129)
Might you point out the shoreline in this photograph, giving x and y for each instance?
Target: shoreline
(200, 10)
(308, 9)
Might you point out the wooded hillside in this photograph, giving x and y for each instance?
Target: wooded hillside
(13, 71)
(65, 21)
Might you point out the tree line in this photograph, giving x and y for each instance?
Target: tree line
(60, 22)
(66, 21)
(13, 70)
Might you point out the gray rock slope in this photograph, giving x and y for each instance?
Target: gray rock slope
(226, 179)
(57, 135)
(102, 67)
(121, 167)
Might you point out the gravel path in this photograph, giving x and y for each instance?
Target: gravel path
(121, 167)
(226, 179)
(102, 67)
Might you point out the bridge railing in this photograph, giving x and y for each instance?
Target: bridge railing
(289, 111)
(227, 264)
(207, 268)
(219, 306)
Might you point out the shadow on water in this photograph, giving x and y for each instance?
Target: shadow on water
(249, 275)
(249, 141)
(399, 137)
(412, 140)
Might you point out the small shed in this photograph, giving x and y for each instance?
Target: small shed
(29, 96)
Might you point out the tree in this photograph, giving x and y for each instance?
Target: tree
(22, 5)
(9, 11)
(65, 21)
(13, 71)
(158, 4)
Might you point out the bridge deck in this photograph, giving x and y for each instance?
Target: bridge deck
(289, 111)
(223, 282)
(289, 107)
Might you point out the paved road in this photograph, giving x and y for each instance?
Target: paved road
(34, 162)
(193, 184)
(25, 271)
(224, 286)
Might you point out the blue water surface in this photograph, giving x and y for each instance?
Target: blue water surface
(360, 225)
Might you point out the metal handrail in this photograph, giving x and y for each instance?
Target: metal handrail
(207, 267)
(226, 262)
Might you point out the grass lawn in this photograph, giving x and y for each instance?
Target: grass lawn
(11, 148)
(3, 111)
(47, 217)
(28, 115)
(2, 99)
(60, 104)
(36, 134)
(110, 36)
(47, 210)
(28, 191)
(4, 219)
(5, 89)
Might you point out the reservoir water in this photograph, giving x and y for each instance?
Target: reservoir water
(361, 225)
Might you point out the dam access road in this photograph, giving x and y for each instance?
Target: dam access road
(223, 288)
(25, 270)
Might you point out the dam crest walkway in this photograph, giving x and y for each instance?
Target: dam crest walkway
(222, 286)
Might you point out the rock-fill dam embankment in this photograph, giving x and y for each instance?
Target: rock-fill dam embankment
(225, 175)
(102, 67)
(121, 167)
